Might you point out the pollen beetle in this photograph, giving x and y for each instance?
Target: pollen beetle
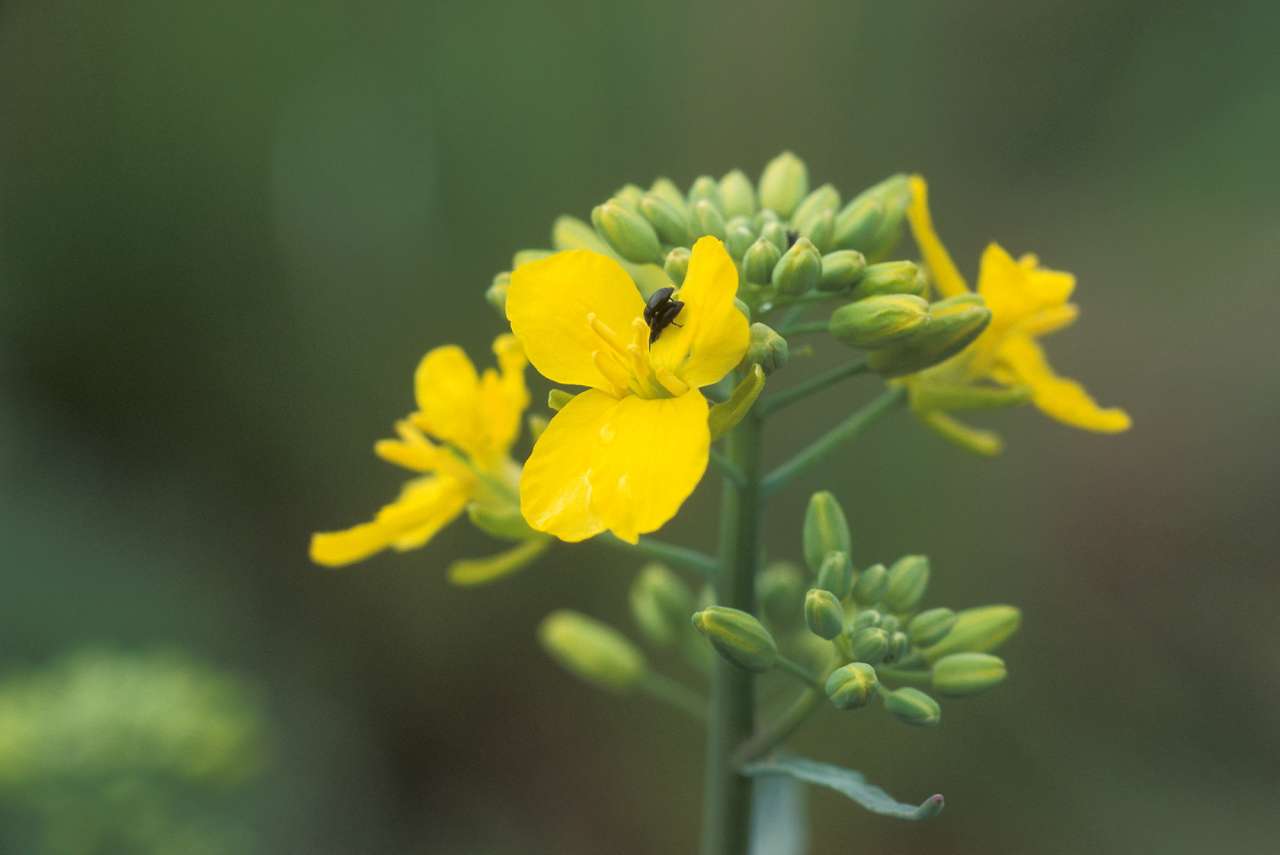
(660, 312)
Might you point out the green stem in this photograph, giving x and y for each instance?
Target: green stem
(726, 794)
(834, 438)
(727, 467)
(779, 730)
(816, 383)
(679, 556)
(798, 671)
(675, 694)
(804, 327)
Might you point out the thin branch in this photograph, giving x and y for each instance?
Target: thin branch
(816, 383)
(679, 556)
(779, 730)
(727, 467)
(675, 695)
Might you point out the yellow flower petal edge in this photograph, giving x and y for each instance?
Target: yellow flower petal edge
(624, 455)
(1027, 302)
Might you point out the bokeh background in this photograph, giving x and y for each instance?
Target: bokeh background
(228, 231)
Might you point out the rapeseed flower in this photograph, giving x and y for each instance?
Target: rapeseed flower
(623, 455)
(1005, 365)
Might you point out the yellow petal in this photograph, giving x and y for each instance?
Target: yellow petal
(478, 571)
(623, 465)
(945, 275)
(1014, 291)
(984, 442)
(714, 334)
(447, 391)
(549, 302)
(424, 507)
(1059, 398)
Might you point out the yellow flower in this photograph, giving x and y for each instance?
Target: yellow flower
(626, 453)
(458, 441)
(1026, 303)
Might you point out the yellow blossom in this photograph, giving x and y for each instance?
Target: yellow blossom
(458, 441)
(1027, 302)
(625, 454)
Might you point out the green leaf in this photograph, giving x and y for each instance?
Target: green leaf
(848, 782)
(726, 415)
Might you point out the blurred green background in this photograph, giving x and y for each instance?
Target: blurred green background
(228, 231)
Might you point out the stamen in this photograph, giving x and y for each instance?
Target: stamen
(606, 363)
(670, 382)
(607, 335)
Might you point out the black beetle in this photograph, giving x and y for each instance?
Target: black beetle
(660, 312)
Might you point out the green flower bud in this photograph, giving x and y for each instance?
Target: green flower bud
(557, 398)
(759, 261)
(823, 614)
(627, 232)
(899, 644)
(784, 183)
(737, 196)
(865, 619)
(908, 579)
(912, 706)
(798, 270)
(740, 237)
(825, 530)
(524, 256)
(963, 674)
(667, 220)
(930, 627)
(824, 200)
(872, 221)
(776, 233)
(677, 265)
(851, 687)
(738, 637)
(763, 217)
(953, 324)
(661, 604)
(879, 321)
(896, 196)
(707, 220)
(890, 277)
(629, 196)
(857, 222)
(780, 591)
(840, 270)
(889, 623)
(836, 574)
(665, 188)
(816, 655)
(592, 651)
(705, 189)
(869, 645)
(767, 349)
(871, 584)
(571, 233)
(496, 294)
(978, 630)
(819, 231)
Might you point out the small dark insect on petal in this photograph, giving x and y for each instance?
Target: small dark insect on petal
(655, 302)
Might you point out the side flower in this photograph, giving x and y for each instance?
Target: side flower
(1005, 365)
(625, 454)
(459, 442)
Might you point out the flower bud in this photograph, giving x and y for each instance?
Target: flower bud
(667, 220)
(767, 349)
(872, 221)
(759, 261)
(591, 650)
(677, 265)
(879, 321)
(953, 324)
(706, 189)
(627, 232)
(496, 295)
(978, 630)
(557, 398)
(890, 277)
(740, 237)
(816, 655)
(737, 196)
(763, 217)
(780, 591)
(908, 579)
(889, 623)
(825, 530)
(725, 415)
(824, 200)
(857, 221)
(930, 627)
(819, 231)
(823, 614)
(912, 706)
(840, 270)
(707, 220)
(661, 604)
(776, 233)
(784, 183)
(738, 637)
(871, 584)
(836, 574)
(899, 644)
(963, 674)
(851, 687)
(865, 619)
(869, 645)
(571, 233)
(798, 270)
(629, 196)
(665, 188)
